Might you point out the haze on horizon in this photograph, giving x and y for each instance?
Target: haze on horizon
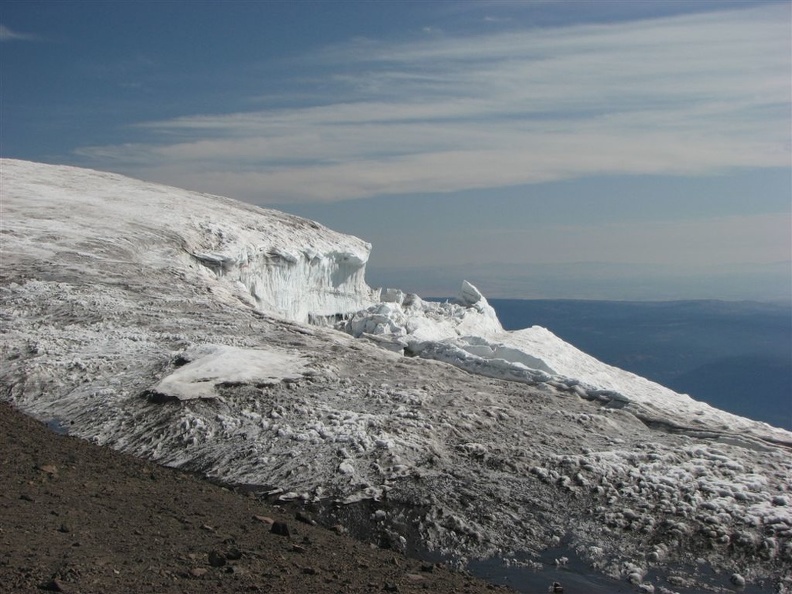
(554, 149)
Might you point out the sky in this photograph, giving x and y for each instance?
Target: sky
(588, 149)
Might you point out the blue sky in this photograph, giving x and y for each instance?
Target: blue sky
(639, 150)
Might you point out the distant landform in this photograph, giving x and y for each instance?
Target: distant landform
(736, 356)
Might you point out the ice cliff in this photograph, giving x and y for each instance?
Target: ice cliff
(172, 325)
(283, 264)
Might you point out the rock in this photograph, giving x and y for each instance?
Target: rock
(338, 529)
(233, 554)
(216, 559)
(389, 587)
(309, 571)
(54, 585)
(304, 518)
(737, 580)
(49, 469)
(280, 528)
(264, 519)
(198, 572)
(297, 548)
(556, 588)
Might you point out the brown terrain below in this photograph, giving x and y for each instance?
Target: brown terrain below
(79, 518)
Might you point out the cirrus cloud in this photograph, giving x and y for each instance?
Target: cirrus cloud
(8, 34)
(678, 95)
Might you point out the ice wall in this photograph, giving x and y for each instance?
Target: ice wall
(300, 285)
(286, 265)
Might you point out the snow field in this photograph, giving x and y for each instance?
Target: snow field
(170, 325)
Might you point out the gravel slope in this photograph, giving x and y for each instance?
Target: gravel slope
(82, 518)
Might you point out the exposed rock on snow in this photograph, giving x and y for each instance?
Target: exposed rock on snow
(113, 290)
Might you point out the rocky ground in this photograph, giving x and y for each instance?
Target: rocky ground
(75, 517)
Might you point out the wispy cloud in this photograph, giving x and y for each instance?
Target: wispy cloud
(7, 34)
(684, 244)
(679, 95)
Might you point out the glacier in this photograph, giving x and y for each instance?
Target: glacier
(245, 344)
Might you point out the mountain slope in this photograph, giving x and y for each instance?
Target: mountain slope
(78, 518)
(170, 325)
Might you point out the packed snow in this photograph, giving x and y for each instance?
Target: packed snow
(208, 366)
(175, 325)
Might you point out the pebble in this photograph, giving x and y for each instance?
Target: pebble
(264, 519)
(216, 559)
(280, 528)
(304, 518)
(54, 585)
(49, 469)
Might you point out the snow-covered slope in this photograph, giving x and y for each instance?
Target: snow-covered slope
(170, 324)
(467, 334)
(281, 263)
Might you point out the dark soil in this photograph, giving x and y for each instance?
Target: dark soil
(79, 518)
